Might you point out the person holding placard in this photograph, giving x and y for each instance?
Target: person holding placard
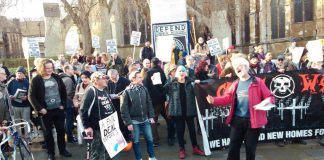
(248, 97)
(96, 106)
(137, 113)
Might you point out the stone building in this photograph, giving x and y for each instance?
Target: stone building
(270, 23)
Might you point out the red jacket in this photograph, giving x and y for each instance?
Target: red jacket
(257, 91)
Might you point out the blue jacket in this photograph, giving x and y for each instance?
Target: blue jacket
(13, 86)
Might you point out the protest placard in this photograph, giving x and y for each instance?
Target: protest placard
(135, 38)
(296, 54)
(95, 41)
(163, 48)
(315, 50)
(30, 47)
(214, 47)
(111, 136)
(111, 46)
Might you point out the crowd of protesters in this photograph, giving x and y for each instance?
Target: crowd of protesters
(139, 91)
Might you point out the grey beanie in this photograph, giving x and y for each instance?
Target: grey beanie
(21, 69)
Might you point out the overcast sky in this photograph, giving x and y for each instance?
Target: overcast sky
(27, 9)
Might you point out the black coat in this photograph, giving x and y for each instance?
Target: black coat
(156, 91)
(36, 92)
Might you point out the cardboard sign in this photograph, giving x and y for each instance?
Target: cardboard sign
(162, 12)
(214, 47)
(30, 47)
(95, 41)
(163, 48)
(315, 50)
(111, 46)
(296, 54)
(111, 136)
(135, 38)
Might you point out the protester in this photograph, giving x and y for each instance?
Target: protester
(128, 62)
(116, 85)
(190, 66)
(201, 47)
(280, 65)
(96, 106)
(254, 64)
(81, 88)
(267, 66)
(288, 64)
(47, 94)
(100, 67)
(154, 82)
(176, 53)
(116, 63)
(182, 108)
(261, 54)
(146, 63)
(70, 85)
(17, 89)
(244, 119)
(4, 110)
(137, 113)
(222, 59)
(74, 62)
(201, 71)
(293, 45)
(147, 51)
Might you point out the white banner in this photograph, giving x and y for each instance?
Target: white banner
(167, 11)
(111, 136)
(95, 41)
(214, 47)
(30, 47)
(163, 48)
(135, 38)
(315, 50)
(111, 46)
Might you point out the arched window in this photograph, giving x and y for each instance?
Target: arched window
(303, 10)
(277, 19)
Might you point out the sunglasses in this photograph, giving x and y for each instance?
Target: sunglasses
(280, 59)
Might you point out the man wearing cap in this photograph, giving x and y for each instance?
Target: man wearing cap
(254, 64)
(280, 63)
(96, 106)
(17, 89)
(47, 94)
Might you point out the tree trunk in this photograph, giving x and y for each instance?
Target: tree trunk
(86, 37)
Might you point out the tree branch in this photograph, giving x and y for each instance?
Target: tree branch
(68, 8)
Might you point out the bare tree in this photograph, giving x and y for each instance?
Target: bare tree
(5, 4)
(79, 11)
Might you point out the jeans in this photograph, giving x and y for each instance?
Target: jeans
(171, 125)
(98, 150)
(180, 127)
(146, 129)
(241, 130)
(56, 117)
(70, 114)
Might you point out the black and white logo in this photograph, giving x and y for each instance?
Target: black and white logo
(282, 86)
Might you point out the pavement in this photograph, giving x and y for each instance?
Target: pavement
(265, 151)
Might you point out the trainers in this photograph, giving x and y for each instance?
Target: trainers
(65, 153)
(182, 153)
(153, 158)
(73, 141)
(197, 151)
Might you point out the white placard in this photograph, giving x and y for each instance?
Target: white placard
(164, 47)
(72, 43)
(315, 50)
(296, 54)
(135, 38)
(111, 46)
(214, 47)
(226, 43)
(156, 78)
(95, 41)
(111, 136)
(166, 11)
(30, 47)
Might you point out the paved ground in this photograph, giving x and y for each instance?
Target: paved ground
(266, 151)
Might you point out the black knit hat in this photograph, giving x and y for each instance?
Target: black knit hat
(21, 69)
